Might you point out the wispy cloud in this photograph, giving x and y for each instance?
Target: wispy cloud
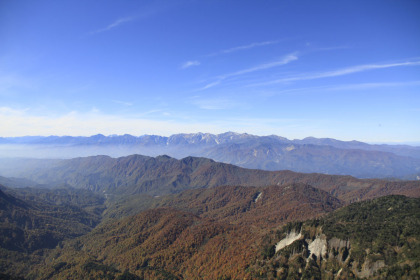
(190, 63)
(244, 47)
(7, 111)
(285, 60)
(114, 25)
(9, 82)
(122, 102)
(210, 85)
(213, 103)
(332, 48)
(339, 72)
(363, 86)
(359, 86)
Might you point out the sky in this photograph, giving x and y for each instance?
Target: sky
(348, 69)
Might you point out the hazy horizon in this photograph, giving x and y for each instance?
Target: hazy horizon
(409, 143)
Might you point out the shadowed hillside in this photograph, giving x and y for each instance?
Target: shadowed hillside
(165, 175)
(29, 227)
(199, 234)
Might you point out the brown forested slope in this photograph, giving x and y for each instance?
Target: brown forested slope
(164, 175)
(211, 233)
(200, 234)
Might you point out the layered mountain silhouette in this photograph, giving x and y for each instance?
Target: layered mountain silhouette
(163, 175)
(328, 156)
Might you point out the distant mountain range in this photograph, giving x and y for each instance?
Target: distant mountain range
(327, 156)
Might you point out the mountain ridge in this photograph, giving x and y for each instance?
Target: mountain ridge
(321, 155)
(163, 175)
(191, 138)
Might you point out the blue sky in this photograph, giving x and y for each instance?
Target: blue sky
(340, 69)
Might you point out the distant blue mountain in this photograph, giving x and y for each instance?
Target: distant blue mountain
(321, 155)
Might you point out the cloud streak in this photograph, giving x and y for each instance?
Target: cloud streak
(114, 25)
(11, 82)
(285, 60)
(360, 86)
(122, 102)
(339, 72)
(190, 63)
(213, 103)
(363, 86)
(244, 47)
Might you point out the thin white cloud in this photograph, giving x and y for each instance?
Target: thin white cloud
(7, 111)
(190, 63)
(332, 48)
(244, 47)
(11, 82)
(285, 60)
(122, 102)
(360, 86)
(339, 72)
(114, 25)
(213, 103)
(363, 86)
(210, 85)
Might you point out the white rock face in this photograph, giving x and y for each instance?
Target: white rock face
(290, 148)
(338, 243)
(369, 268)
(289, 239)
(318, 247)
(258, 197)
